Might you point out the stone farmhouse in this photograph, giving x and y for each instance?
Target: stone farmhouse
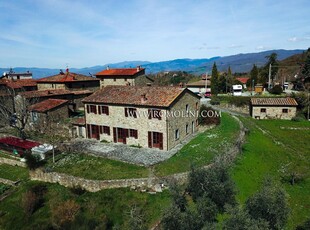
(124, 76)
(69, 81)
(50, 110)
(273, 108)
(146, 116)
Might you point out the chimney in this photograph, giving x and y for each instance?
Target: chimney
(143, 98)
(138, 68)
(108, 67)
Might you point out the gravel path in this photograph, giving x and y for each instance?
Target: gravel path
(125, 153)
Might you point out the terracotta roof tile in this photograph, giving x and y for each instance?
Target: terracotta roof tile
(201, 83)
(53, 92)
(67, 77)
(20, 83)
(47, 105)
(120, 72)
(131, 95)
(243, 80)
(45, 93)
(274, 101)
(78, 121)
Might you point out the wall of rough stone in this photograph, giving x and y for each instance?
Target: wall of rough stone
(8, 161)
(116, 118)
(273, 112)
(181, 118)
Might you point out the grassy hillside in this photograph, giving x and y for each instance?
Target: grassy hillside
(277, 149)
(105, 209)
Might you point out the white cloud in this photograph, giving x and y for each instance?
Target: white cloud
(299, 39)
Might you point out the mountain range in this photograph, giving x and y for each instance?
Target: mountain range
(238, 63)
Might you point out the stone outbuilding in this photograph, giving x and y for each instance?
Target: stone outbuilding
(124, 76)
(69, 81)
(273, 108)
(50, 110)
(153, 117)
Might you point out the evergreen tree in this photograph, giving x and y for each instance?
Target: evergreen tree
(214, 80)
(264, 73)
(305, 70)
(229, 82)
(254, 74)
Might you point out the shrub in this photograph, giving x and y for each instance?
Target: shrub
(65, 212)
(208, 116)
(215, 101)
(269, 204)
(277, 89)
(32, 161)
(29, 203)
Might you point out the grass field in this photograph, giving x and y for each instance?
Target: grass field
(13, 173)
(200, 151)
(111, 207)
(97, 168)
(276, 148)
(203, 148)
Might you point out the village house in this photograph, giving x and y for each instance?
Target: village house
(21, 85)
(273, 108)
(50, 110)
(201, 87)
(69, 81)
(74, 97)
(11, 75)
(146, 116)
(124, 76)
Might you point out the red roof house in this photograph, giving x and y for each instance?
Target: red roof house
(20, 145)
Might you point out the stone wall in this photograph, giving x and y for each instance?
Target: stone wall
(180, 119)
(154, 183)
(8, 161)
(273, 112)
(142, 123)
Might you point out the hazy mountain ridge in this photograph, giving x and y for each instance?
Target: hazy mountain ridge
(238, 63)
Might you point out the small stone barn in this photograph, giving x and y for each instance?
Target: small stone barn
(273, 108)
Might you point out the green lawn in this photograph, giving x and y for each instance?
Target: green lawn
(13, 173)
(276, 152)
(111, 206)
(203, 148)
(97, 168)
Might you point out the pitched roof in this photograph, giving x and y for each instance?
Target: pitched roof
(47, 105)
(18, 84)
(67, 77)
(132, 95)
(53, 92)
(45, 93)
(274, 101)
(200, 83)
(243, 80)
(120, 72)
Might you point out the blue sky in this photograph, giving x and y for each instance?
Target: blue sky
(54, 33)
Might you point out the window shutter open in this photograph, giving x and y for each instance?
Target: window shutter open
(87, 108)
(107, 110)
(150, 139)
(160, 141)
(114, 135)
(100, 109)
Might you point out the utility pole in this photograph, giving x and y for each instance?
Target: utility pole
(269, 77)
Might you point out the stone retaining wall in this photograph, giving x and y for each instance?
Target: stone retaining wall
(8, 161)
(8, 182)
